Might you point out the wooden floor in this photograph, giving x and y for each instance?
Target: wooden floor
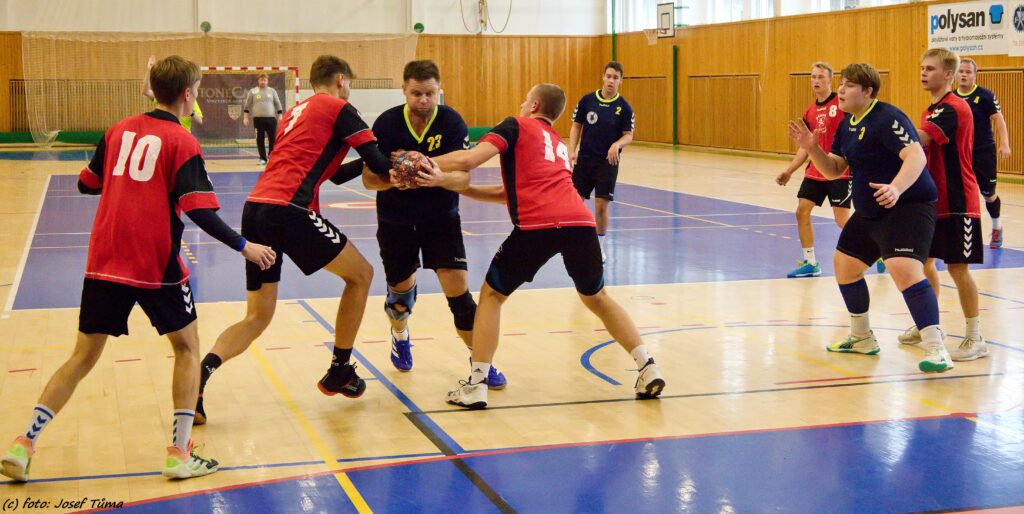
(739, 357)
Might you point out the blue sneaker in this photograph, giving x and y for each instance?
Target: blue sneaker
(805, 269)
(401, 353)
(496, 380)
(880, 266)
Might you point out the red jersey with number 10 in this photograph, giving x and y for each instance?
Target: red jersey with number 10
(149, 169)
(312, 139)
(537, 177)
(825, 116)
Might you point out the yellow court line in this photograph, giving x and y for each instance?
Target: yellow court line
(318, 443)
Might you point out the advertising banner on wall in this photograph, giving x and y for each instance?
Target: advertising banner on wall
(221, 96)
(971, 28)
(1015, 28)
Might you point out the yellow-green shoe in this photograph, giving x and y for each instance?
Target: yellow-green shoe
(18, 459)
(866, 345)
(181, 464)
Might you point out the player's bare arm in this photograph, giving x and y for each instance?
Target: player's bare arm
(830, 165)
(1003, 135)
(467, 160)
(914, 161)
(451, 180)
(798, 160)
(374, 182)
(574, 141)
(491, 193)
(146, 90)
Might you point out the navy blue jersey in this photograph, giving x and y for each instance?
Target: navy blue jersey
(872, 146)
(984, 105)
(604, 122)
(445, 132)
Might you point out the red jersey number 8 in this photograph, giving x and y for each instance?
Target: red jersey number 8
(139, 169)
(550, 151)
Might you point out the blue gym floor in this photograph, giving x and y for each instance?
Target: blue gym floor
(657, 237)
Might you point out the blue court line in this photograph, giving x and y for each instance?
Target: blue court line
(585, 357)
(429, 423)
(226, 468)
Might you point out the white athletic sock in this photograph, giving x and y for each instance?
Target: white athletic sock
(931, 335)
(600, 239)
(478, 372)
(401, 336)
(997, 224)
(41, 415)
(860, 325)
(809, 256)
(640, 356)
(182, 431)
(974, 327)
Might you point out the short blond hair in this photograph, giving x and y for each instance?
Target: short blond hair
(551, 99)
(823, 65)
(950, 60)
(972, 62)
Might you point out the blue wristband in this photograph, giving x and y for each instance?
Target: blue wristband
(241, 246)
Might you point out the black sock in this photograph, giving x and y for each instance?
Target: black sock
(341, 356)
(210, 364)
(993, 207)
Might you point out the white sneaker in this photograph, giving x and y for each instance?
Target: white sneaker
(603, 256)
(970, 349)
(470, 396)
(263, 162)
(649, 384)
(936, 359)
(910, 336)
(867, 345)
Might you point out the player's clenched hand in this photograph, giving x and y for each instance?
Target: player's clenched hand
(430, 174)
(572, 158)
(886, 194)
(1004, 151)
(396, 181)
(800, 135)
(783, 178)
(262, 256)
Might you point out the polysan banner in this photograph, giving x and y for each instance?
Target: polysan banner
(971, 28)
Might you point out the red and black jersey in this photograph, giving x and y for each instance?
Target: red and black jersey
(312, 140)
(148, 169)
(537, 176)
(950, 124)
(826, 116)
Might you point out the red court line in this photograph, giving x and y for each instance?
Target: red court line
(421, 339)
(20, 370)
(278, 348)
(600, 330)
(507, 451)
(128, 360)
(809, 381)
(368, 342)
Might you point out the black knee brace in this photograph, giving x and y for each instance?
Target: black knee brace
(463, 309)
(993, 207)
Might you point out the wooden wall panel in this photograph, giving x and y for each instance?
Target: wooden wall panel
(1009, 89)
(10, 68)
(724, 111)
(651, 100)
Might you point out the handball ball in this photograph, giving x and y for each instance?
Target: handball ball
(407, 166)
(205, 26)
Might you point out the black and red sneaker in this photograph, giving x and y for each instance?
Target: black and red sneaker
(342, 379)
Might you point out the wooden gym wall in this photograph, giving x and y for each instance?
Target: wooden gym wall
(740, 82)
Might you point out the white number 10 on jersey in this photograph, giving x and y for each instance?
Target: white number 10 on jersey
(138, 169)
(549, 151)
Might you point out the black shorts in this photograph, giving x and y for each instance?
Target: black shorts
(439, 240)
(958, 241)
(592, 173)
(903, 231)
(106, 306)
(308, 239)
(984, 163)
(526, 251)
(837, 191)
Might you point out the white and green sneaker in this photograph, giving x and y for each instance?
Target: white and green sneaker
(936, 359)
(970, 349)
(910, 336)
(188, 464)
(867, 345)
(18, 459)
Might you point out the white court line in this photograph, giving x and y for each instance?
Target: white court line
(24, 254)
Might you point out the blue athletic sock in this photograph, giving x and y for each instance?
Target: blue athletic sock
(856, 296)
(923, 305)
